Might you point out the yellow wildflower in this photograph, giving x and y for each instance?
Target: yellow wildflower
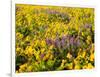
(84, 54)
(23, 67)
(89, 38)
(43, 43)
(69, 55)
(42, 50)
(77, 66)
(85, 67)
(92, 57)
(90, 66)
(29, 50)
(29, 68)
(51, 47)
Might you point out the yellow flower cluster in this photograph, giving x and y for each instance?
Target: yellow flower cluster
(50, 38)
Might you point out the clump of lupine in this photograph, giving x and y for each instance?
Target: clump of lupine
(51, 38)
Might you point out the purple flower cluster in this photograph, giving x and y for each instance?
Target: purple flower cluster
(49, 41)
(42, 55)
(49, 11)
(87, 26)
(64, 42)
(62, 16)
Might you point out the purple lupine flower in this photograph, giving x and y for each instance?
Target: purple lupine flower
(57, 43)
(49, 41)
(49, 11)
(64, 38)
(63, 15)
(42, 55)
(71, 40)
(87, 26)
(68, 36)
(78, 42)
(62, 43)
(68, 44)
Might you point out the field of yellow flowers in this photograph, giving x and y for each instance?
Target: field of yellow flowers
(52, 38)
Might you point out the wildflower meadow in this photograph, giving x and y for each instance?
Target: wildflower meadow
(54, 38)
